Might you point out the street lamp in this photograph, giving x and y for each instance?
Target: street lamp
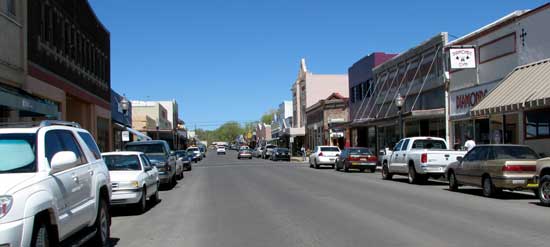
(399, 103)
(125, 104)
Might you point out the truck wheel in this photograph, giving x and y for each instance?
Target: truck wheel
(101, 225)
(40, 235)
(489, 189)
(386, 175)
(453, 184)
(413, 176)
(544, 190)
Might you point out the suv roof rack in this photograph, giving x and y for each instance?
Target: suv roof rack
(59, 122)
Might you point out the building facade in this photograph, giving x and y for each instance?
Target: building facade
(282, 119)
(416, 75)
(307, 90)
(516, 39)
(321, 117)
(360, 78)
(159, 120)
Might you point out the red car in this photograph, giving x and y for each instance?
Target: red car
(356, 158)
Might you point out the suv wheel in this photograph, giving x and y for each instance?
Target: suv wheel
(101, 225)
(544, 190)
(453, 184)
(40, 235)
(386, 175)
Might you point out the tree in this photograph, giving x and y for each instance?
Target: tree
(267, 118)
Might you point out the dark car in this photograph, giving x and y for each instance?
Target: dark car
(356, 158)
(159, 153)
(280, 154)
(186, 158)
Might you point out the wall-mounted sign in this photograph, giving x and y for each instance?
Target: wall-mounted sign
(462, 58)
(464, 100)
(125, 136)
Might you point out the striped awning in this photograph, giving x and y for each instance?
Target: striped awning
(527, 87)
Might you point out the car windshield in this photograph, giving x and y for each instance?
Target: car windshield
(180, 154)
(122, 162)
(17, 153)
(429, 144)
(146, 148)
(282, 149)
(360, 151)
(514, 153)
(193, 149)
(329, 149)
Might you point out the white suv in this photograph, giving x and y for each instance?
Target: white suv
(54, 186)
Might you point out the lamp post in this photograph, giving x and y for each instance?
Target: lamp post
(125, 105)
(399, 103)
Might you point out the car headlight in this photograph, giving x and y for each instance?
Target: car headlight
(5, 205)
(132, 184)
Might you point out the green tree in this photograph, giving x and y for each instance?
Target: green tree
(267, 118)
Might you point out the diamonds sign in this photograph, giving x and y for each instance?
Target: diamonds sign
(463, 58)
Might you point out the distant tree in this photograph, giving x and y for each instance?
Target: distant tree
(267, 118)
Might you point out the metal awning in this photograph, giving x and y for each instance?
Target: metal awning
(528, 86)
(140, 136)
(20, 100)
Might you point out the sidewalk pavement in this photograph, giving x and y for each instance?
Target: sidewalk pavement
(299, 159)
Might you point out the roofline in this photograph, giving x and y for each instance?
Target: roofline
(95, 16)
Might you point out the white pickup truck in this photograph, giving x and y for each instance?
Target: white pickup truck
(419, 158)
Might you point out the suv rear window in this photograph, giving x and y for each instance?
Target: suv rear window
(146, 148)
(329, 149)
(17, 153)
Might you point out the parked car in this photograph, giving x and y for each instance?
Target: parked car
(356, 158)
(324, 155)
(220, 150)
(133, 178)
(257, 152)
(267, 150)
(53, 185)
(419, 158)
(186, 158)
(244, 152)
(280, 154)
(493, 168)
(160, 155)
(542, 181)
(197, 152)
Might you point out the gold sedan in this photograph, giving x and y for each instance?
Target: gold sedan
(493, 168)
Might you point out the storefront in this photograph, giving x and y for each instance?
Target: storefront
(520, 116)
(18, 106)
(463, 125)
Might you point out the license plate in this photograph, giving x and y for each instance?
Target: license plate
(363, 159)
(518, 181)
(332, 159)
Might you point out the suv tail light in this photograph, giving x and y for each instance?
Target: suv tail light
(424, 158)
(519, 168)
(321, 154)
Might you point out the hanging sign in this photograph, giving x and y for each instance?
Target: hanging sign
(462, 58)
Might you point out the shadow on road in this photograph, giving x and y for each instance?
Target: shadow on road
(123, 210)
(504, 195)
(427, 183)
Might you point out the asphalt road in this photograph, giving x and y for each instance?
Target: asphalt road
(229, 202)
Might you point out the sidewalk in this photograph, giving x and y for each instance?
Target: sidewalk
(298, 159)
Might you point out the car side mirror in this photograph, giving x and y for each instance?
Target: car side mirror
(459, 158)
(63, 160)
(148, 168)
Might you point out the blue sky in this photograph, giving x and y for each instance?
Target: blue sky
(233, 60)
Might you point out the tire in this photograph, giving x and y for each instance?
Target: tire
(362, 170)
(155, 197)
(373, 170)
(102, 225)
(40, 235)
(141, 206)
(453, 183)
(544, 190)
(488, 187)
(336, 168)
(386, 175)
(316, 165)
(173, 182)
(413, 177)
(310, 165)
(346, 167)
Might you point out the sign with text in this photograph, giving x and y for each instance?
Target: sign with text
(463, 58)
(462, 101)
(125, 136)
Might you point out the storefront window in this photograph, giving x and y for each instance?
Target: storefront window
(496, 129)
(482, 131)
(511, 130)
(537, 124)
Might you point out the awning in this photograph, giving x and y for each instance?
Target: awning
(528, 86)
(20, 100)
(140, 136)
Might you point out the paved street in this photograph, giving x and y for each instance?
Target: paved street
(229, 202)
